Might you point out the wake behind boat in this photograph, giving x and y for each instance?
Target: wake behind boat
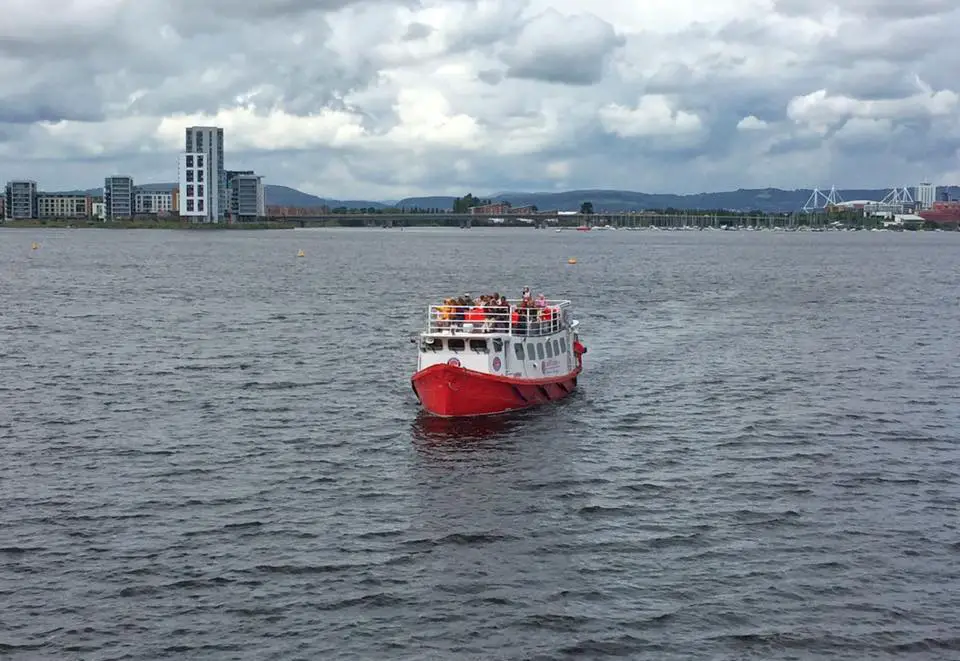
(496, 355)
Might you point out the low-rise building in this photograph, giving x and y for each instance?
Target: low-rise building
(63, 205)
(279, 211)
(98, 210)
(496, 208)
(153, 202)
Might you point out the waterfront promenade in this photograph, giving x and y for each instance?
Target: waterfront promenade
(623, 220)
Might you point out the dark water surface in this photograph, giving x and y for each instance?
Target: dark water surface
(211, 450)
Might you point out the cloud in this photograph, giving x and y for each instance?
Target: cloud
(557, 48)
(751, 123)
(656, 120)
(821, 111)
(381, 99)
(417, 31)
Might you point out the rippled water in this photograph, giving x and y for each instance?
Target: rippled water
(212, 450)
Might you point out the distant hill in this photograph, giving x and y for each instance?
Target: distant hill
(285, 196)
(761, 199)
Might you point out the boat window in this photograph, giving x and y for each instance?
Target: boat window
(455, 344)
(430, 344)
(549, 349)
(563, 344)
(556, 348)
(497, 344)
(480, 346)
(531, 351)
(540, 350)
(518, 348)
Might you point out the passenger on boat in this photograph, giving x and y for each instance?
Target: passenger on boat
(444, 313)
(499, 313)
(493, 313)
(528, 318)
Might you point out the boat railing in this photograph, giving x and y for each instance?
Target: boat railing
(512, 319)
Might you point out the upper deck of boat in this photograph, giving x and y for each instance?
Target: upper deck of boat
(514, 319)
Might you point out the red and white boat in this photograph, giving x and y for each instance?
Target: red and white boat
(481, 361)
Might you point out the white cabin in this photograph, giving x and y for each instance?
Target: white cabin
(509, 342)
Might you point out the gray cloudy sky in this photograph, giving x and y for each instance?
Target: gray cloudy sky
(382, 99)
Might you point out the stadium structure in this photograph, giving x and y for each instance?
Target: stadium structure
(897, 201)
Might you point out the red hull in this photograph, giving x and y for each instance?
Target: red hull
(449, 391)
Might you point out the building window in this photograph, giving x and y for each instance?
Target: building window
(199, 175)
(189, 205)
(199, 190)
(189, 175)
(199, 205)
(190, 191)
(199, 161)
(189, 161)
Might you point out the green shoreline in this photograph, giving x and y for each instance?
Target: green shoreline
(75, 223)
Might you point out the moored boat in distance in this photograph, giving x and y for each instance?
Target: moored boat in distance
(483, 360)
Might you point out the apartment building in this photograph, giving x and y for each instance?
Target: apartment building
(21, 199)
(118, 197)
(153, 202)
(63, 205)
(246, 196)
(201, 175)
(926, 195)
(193, 180)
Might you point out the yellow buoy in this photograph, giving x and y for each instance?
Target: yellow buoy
(34, 246)
(301, 254)
(572, 260)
